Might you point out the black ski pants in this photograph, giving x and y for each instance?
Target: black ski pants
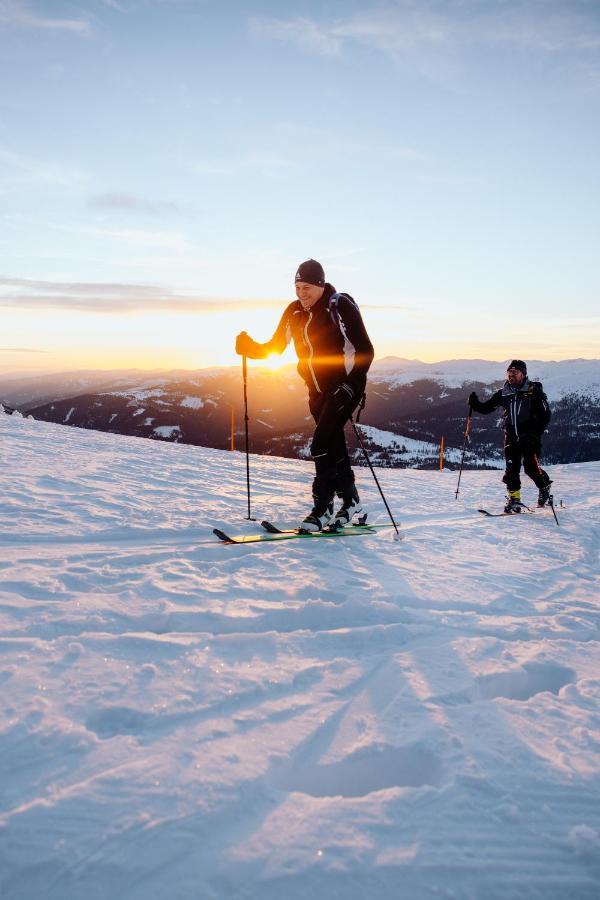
(333, 472)
(525, 451)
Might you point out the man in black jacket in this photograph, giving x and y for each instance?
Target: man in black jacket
(526, 414)
(334, 355)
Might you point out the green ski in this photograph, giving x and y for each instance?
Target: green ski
(348, 531)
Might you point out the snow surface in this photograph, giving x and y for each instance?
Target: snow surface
(312, 719)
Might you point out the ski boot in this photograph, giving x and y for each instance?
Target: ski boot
(351, 506)
(544, 496)
(318, 518)
(513, 503)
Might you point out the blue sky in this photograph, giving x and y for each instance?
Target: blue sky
(166, 164)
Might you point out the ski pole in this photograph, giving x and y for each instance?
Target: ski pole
(467, 432)
(362, 447)
(245, 376)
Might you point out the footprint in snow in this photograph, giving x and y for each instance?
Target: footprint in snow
(114, 720)
(521, 683)
(364, 771)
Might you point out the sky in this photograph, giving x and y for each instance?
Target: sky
(166, 164)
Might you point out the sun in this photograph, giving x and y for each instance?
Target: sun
(274, 361)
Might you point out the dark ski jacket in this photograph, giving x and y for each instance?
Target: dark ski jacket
(330, 339)
(525, 409)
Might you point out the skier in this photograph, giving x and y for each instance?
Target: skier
(334, 354)
(526, 414)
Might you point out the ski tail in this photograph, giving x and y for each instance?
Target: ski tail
(224, 537)
(272, 529)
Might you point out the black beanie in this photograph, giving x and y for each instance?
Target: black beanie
(518, 364)
(311, 272)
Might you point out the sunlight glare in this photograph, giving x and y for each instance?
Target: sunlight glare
(274, 361)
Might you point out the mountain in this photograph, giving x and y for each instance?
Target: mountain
(349, 718)
(559, 378)
(410, 406)
(30, 391)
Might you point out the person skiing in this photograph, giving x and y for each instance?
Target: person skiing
(526, 414)
(334, 354)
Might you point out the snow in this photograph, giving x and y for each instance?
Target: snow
(333, 718)
(407, 450)
(167, 431)
(139, 395)
(558, 378)
(192, 402)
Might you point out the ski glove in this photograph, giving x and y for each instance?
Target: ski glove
(243, 344)
(473, 399)
(344, 396)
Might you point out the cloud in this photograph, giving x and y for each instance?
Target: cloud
(122, 299)
(21, 350)
(391, 307)
(136, 238)
(406, 29)
(16, 14)
(307, 34)
(293, 146)
(265, 162)
(22, 172)
(130, 202)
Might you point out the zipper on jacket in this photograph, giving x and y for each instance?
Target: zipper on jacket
(310, 353)
(514, 415)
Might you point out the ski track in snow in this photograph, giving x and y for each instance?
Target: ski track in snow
(308, 719)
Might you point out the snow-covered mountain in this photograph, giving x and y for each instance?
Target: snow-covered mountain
(570, 376)
(34, 390)
(338, 717)
(413, 404)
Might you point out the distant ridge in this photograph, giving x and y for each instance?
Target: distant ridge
(410, 406)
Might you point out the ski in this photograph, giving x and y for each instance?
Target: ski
(485, 512)
(525, 510)
(345, 529)
(274, 529)
(348, 531)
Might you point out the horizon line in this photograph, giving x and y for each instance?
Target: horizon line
(165, 370)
